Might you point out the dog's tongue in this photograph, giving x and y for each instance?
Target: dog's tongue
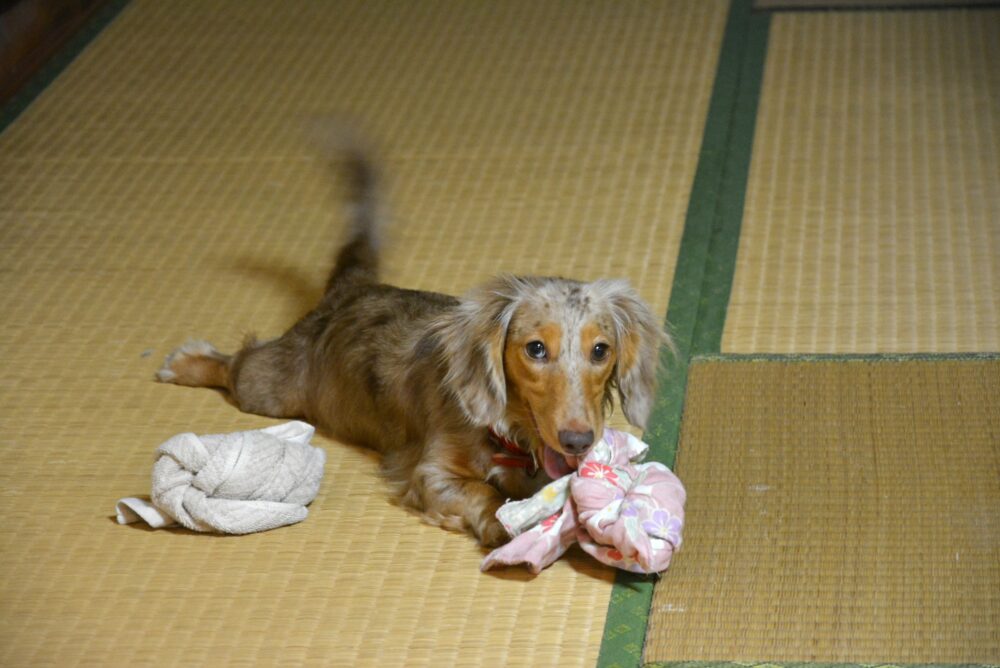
(557, 465)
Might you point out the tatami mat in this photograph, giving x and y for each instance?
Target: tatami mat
(837, 512)
(161, 188)
(871, 5)
(874, 190)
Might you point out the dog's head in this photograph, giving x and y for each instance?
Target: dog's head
(542, 357)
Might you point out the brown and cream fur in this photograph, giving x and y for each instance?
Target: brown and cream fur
(420, 376)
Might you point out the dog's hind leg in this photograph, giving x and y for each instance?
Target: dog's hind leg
(262, 378)
(196, 364)
(268, 378)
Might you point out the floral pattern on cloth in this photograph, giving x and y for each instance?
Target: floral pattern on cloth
(624, 513)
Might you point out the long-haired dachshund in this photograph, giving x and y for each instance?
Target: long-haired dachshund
(464, 398)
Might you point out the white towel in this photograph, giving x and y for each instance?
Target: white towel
(234, 483)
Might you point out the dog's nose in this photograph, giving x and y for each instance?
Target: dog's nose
(575, 442)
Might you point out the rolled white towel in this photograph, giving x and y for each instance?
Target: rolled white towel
(235, 483)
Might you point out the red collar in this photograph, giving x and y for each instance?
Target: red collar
(511, 454)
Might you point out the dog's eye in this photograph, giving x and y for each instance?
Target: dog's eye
(600, 352)
(535, 350)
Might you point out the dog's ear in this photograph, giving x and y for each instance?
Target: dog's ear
(640, 338)
(472, 337)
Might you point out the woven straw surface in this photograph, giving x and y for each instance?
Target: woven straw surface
(162, 188)
(837, 512)
(874, 192)
(864, 4)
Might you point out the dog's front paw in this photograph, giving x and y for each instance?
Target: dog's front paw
(491, 533)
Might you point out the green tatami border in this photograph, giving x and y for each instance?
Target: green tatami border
(62, 59)
(701, 284)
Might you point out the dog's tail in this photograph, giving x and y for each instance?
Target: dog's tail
(357, 260)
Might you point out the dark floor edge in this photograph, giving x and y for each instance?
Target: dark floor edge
(58, 63)
(701, 283)
(846, 357)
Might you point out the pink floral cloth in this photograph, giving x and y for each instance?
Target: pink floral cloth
(626, 514)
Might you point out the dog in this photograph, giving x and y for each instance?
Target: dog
(470, 401)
